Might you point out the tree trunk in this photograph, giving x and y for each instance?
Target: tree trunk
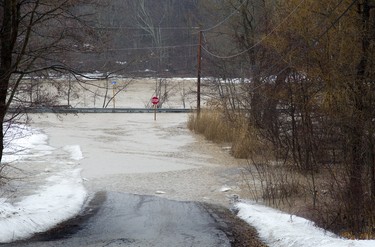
(8, 37)
(356, 134)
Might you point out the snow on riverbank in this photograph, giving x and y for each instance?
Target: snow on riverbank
(20, 140)
(61, 198)
(57, 199)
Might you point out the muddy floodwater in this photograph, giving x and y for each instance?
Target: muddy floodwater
(132, 153)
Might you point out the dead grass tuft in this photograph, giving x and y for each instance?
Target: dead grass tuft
(215, 126)
(212, 125)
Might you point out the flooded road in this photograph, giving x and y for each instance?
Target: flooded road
(132, 153)
(151, 184)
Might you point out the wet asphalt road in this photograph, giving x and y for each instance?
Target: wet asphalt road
(119, 219)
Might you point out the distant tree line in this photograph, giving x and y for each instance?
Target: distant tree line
(143, 37)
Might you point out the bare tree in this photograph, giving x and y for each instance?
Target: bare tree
(34, 36)
(151, 21)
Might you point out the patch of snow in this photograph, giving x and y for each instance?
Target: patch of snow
(279, 229)
(60, 199)
(75, 152)
(149, 70)
(121, 62)
(225, 189)
(23, 141)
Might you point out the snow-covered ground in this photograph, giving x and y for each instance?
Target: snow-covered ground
(58, 198)
(130, 145)
(279, 229)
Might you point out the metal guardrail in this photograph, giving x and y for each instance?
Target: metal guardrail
(97, 110)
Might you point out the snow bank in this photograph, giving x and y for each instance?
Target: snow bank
(60, 199)
(21, 139)
(75, 152)
(279, 229)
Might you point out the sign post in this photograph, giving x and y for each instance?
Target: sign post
(113, 93)
(155, 102)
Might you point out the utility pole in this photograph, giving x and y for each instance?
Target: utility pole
(199, 74)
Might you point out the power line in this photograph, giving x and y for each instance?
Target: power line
(288, 65)
(153, 47)
(337, 19)
(282, 22)
(138, 48)
(126, 62)
(281, 59)
(260, 41)
(225, 19)
(327, 29)
(143, 28)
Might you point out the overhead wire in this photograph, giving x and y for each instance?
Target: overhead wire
(168, 28)
(133, 48)
(325, 32)
(221, 23)
(152, 47)
(337, 19)
(225, 19)
(143, 28)
(260, 41)
(284, 20)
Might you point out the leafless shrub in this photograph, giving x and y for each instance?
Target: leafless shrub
(274, 185)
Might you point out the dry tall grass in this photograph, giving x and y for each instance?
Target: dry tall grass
(212, 125)
(217, 127)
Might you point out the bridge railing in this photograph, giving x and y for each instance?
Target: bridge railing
(61, 109)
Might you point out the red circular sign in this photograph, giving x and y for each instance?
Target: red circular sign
(155, 100)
